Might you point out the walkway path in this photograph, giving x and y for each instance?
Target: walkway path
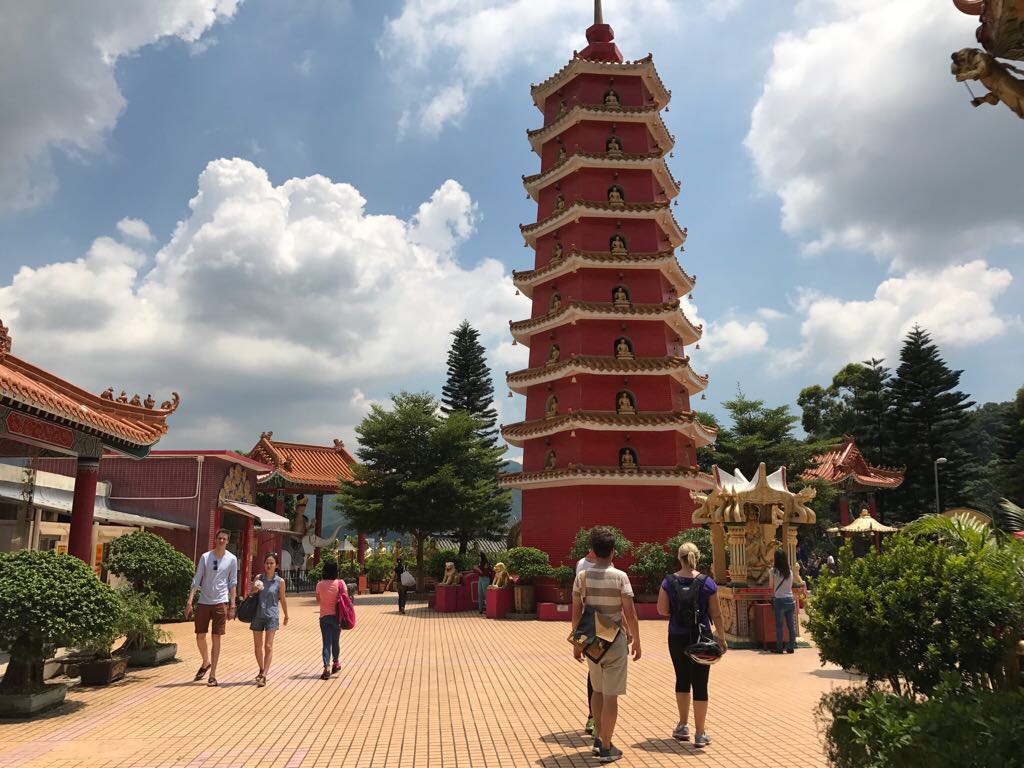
(423, 690)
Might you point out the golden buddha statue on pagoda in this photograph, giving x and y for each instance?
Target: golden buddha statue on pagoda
(611, 98)
(620, 298)
(625, 404)
(622, 350)
(553, 355)
(556, 252)
(618, 245)
(549, 460)
(551, 409)
(562, 108)
(627, 460)
(615, 195)
(614, 146)
(556, 302)
(559, 203)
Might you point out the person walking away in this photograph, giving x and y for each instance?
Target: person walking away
(264, 626)
(330, 631)
(585, 563)
(690, 600)
(486, 571)
(399, 585)
(780, 581)
(607, 590)
(216, 580)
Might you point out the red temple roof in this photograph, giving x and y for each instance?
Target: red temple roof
(303, 467)
(845, 461)
(120, 424)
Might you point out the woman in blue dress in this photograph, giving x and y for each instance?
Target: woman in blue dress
(268, 616)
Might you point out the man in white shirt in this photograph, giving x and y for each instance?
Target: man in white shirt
(216, 580)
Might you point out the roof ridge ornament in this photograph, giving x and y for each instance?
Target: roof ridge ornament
(5, 341)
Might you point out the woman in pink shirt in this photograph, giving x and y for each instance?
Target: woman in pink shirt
(327, 593)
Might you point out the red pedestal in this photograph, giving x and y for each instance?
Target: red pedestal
(764, 625)
(447, 598)
(498, 602)
(554, 612)
(470, 592)
(361, 584)
(648, 611)
(82, 506)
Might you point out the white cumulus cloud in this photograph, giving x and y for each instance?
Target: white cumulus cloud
(732, 338)
(136, 229)
(58, 90)
(283, 307)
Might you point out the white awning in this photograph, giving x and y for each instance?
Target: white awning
(265, 519)
(60, 501)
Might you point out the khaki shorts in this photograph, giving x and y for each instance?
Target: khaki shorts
(218, 614)
(608, 676)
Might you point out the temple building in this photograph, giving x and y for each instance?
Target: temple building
(845, 467)
(609, 436)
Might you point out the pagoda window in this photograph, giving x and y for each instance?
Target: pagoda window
(617, 245)
(556, 302)
(611, 98)
(550, 460)
(613, 146)
(628, 460)
(616, 195)
(551, 407)
(623, 348)
(620, 296)
(625, 403)
(553, 355)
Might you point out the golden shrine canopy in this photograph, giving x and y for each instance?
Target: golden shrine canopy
(844, 464)
(299, 467)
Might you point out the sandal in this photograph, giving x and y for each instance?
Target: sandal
(201, 673)
(261, 681)
(259, 674)
(212, 682)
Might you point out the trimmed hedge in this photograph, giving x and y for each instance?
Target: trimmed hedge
(153, 567)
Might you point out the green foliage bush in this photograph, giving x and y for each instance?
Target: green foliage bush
(581, 544)
(436, 561)
(49, 600)
(699, 536)
(870, 728)
(154, 567)
(527, 563)
(564, 575)
(915, 610)
(379, 567)
(316, 572)
(651, 563)
(138, 622)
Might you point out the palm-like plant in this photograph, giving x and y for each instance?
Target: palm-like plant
(1011, 517)
(964, 534)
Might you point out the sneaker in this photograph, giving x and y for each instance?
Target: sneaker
(335, 668)
(681, 732)
(609, 755)
(589, 727)
(597, 747)
(701, 739)
(790, 650)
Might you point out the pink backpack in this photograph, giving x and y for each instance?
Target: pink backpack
(346, 612)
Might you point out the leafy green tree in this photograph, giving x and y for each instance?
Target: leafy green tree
(581, 542)
(706, 453)
(929, 417)
(48, 600)
(1010, 468)
(699, 536)
(153, 568)
(982, 439)
(420, 474)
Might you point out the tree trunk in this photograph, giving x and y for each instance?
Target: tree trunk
(22, 676)
(420, 541)
(463, 542)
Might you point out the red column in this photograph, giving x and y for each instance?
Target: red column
(80, 540)
(318, 523)
(872, 506)
(279, 502)
(361, 545)
(844, 511)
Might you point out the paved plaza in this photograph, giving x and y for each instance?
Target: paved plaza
(423, 690)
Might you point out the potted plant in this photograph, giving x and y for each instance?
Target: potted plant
(564, 575)
(46, 600)
(651, 563)
(144, 644)
(348, 570)
(154, 568)
(378, 568)
(581, 542)
(103, 667)
(526, 564)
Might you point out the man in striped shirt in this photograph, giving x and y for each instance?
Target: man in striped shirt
(607, 590)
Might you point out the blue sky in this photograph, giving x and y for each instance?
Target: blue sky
(354, 171)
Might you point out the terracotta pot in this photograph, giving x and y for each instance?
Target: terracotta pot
(525, 599)
(563, 595)
(103, 671)
(151, 657)
(377, 587)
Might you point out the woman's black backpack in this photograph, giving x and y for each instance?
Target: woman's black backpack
(687, 610)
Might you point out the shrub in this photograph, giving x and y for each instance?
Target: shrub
(154, 567)
(316, 572)
(349, 569)
(436, 562)
(869, 728)
(527, 563)
(699, 536)
(564, 575)
(581, 544)
(138, 623)
(907, 614)
(48, 600)
(651, 563)
(379, 567)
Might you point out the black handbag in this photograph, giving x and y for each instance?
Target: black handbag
(248, 608)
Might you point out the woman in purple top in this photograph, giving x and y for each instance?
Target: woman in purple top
(686, 623)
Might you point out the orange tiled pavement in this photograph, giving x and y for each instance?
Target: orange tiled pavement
(424, 689)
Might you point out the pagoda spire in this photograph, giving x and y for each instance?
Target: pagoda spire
(601, 40)
(598, 16)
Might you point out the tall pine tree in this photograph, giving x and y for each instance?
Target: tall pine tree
(928, 419)
(1010, 478)
(469, 390)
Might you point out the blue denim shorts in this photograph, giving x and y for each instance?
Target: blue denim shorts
(264, 624)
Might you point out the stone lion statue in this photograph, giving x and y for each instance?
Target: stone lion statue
(974, 64)
(452, 578)
(500, 577)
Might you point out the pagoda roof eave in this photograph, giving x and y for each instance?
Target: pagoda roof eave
(668, 312)
(676, 367)
(655, 162)
(577, 474)
(665, 261)
(579, 66)
(660, 212)
(648, 115)
(278, 480)
(302, 466)
(844, 464)
(608, 421)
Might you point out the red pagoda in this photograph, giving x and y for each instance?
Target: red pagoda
(609, 437)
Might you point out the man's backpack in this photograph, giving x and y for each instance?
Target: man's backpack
(687, 610)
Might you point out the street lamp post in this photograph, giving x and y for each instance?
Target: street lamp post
(935, 465)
